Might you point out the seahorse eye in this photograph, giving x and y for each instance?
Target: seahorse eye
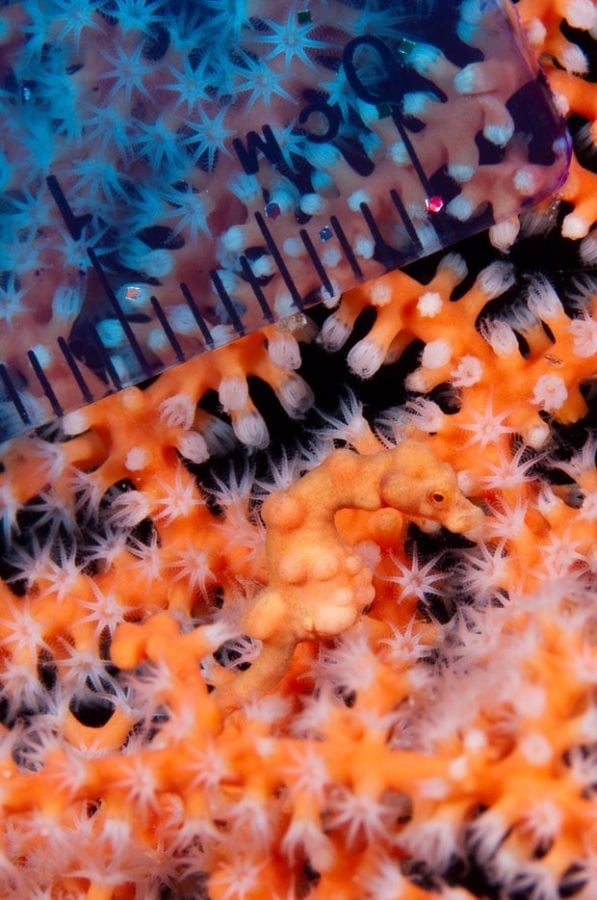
(437, 497)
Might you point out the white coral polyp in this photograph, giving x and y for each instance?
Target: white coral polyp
(436, 354)
(574, 227)
(503, 234)
(178, 411)
(380, 293)
(536, 32)
(550, 393)
(588, 249)
(468, 372)
(128, 509)
(496, 279)
(426, 415)
(250, 429)
(136, 459)
(193, 447)
(584, 336)
(233, 393)
(501, 337)
(75, 423)
(429, 304)
(296, 396)
(284, 351)
(581, 14)
(365, 358)
(536, 749)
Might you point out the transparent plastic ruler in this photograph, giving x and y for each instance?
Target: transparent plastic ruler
(176, 174)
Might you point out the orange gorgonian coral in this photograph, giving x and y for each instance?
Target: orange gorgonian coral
(359, 664)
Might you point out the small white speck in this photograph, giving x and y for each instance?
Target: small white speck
(75, 423)
(475, 740)
(364, 247)
(433, 789)
(429, 304)
(458, 768)
(536, 749)
(331, 257)
(136, 459)
(356, 199)
(380, 293)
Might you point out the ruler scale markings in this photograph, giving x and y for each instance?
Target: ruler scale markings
(106, 359)
(227, 301)
(378, 68)
(256, 288)
(366, 93)
(14, 395)
(376, 234)
(348, 251)
(75, 371)
(412, 233)
(75, 224)
(425, 183)
(279, 259)
(126, 325)
(317, 264)
(197, 315)
(45, 384)
(163, 319)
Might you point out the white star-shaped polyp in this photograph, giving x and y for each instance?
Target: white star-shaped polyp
(291, 38)
(486, 427)
(416, 581)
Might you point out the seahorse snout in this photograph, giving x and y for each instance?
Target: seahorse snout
(463, 516)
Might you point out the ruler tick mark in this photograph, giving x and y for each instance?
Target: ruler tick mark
(279, 259)
(106, 360)
(197, 315)
(256, 288)
(412, 233)
(75, 371)
(45, 384)
(317, 264)
(348, 251)
(163, 319)
(75, 224)
(227, 302)
(14, 395)
(126, 325)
